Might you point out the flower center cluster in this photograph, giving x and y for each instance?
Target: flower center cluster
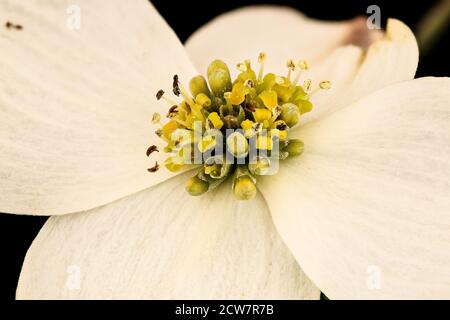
(237, 129)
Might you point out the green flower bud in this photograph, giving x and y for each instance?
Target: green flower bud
(219, 78)
(198, 85)
(244, 188)
(196, 186)
(244, 184)
(303, 105)
(290, 114)
(294, 148)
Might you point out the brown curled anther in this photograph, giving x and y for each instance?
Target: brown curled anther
(159, 94)
(172, 111)
(154, 168)
(151, 149)
(176, 89)
(250, 107)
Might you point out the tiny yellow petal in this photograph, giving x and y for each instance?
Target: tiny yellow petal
(269, 98)
(215, 120)
(169, 128)
(247, 124)
(238, 93)
(262, 114)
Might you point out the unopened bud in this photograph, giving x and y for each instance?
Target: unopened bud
(294, 148)
(196, 186)
(219, 78)
(290, 114)
(198, 85)
(244, 188)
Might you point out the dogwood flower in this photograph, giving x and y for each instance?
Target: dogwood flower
(363, 212)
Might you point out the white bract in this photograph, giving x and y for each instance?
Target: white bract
(370, 193)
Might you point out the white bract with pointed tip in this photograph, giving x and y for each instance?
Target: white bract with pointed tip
(370, 190)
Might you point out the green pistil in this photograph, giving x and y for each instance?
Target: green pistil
(261, 108)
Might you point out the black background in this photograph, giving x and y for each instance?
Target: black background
(17, 232)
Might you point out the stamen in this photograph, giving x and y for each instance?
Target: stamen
(172, 111)
(250, 107)
(179, 89)
(323, 85)
(156, 118)
(160, 95)
(151, 149)
(154, 168)
(307, 84)
(176, 88)
(276, 111)
(249, 83)
(261, 58)
(291, 67)
(241, 67)
(181, 122)
(302, 66)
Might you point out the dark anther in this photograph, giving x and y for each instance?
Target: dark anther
(159, 94)
(257, 126)
(10, 25)
(176, 88)
(250, 107)
(209, 124)
(159, 133)
(172, 111)
(154, 168)
(151, 149)
(188, 108)
(282, 126)
(249, 83)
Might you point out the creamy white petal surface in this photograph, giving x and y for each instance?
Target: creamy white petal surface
(282, 33)
(390, 59)
(366, 209)
(76, 104)
(163, 243)
(336, 51)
